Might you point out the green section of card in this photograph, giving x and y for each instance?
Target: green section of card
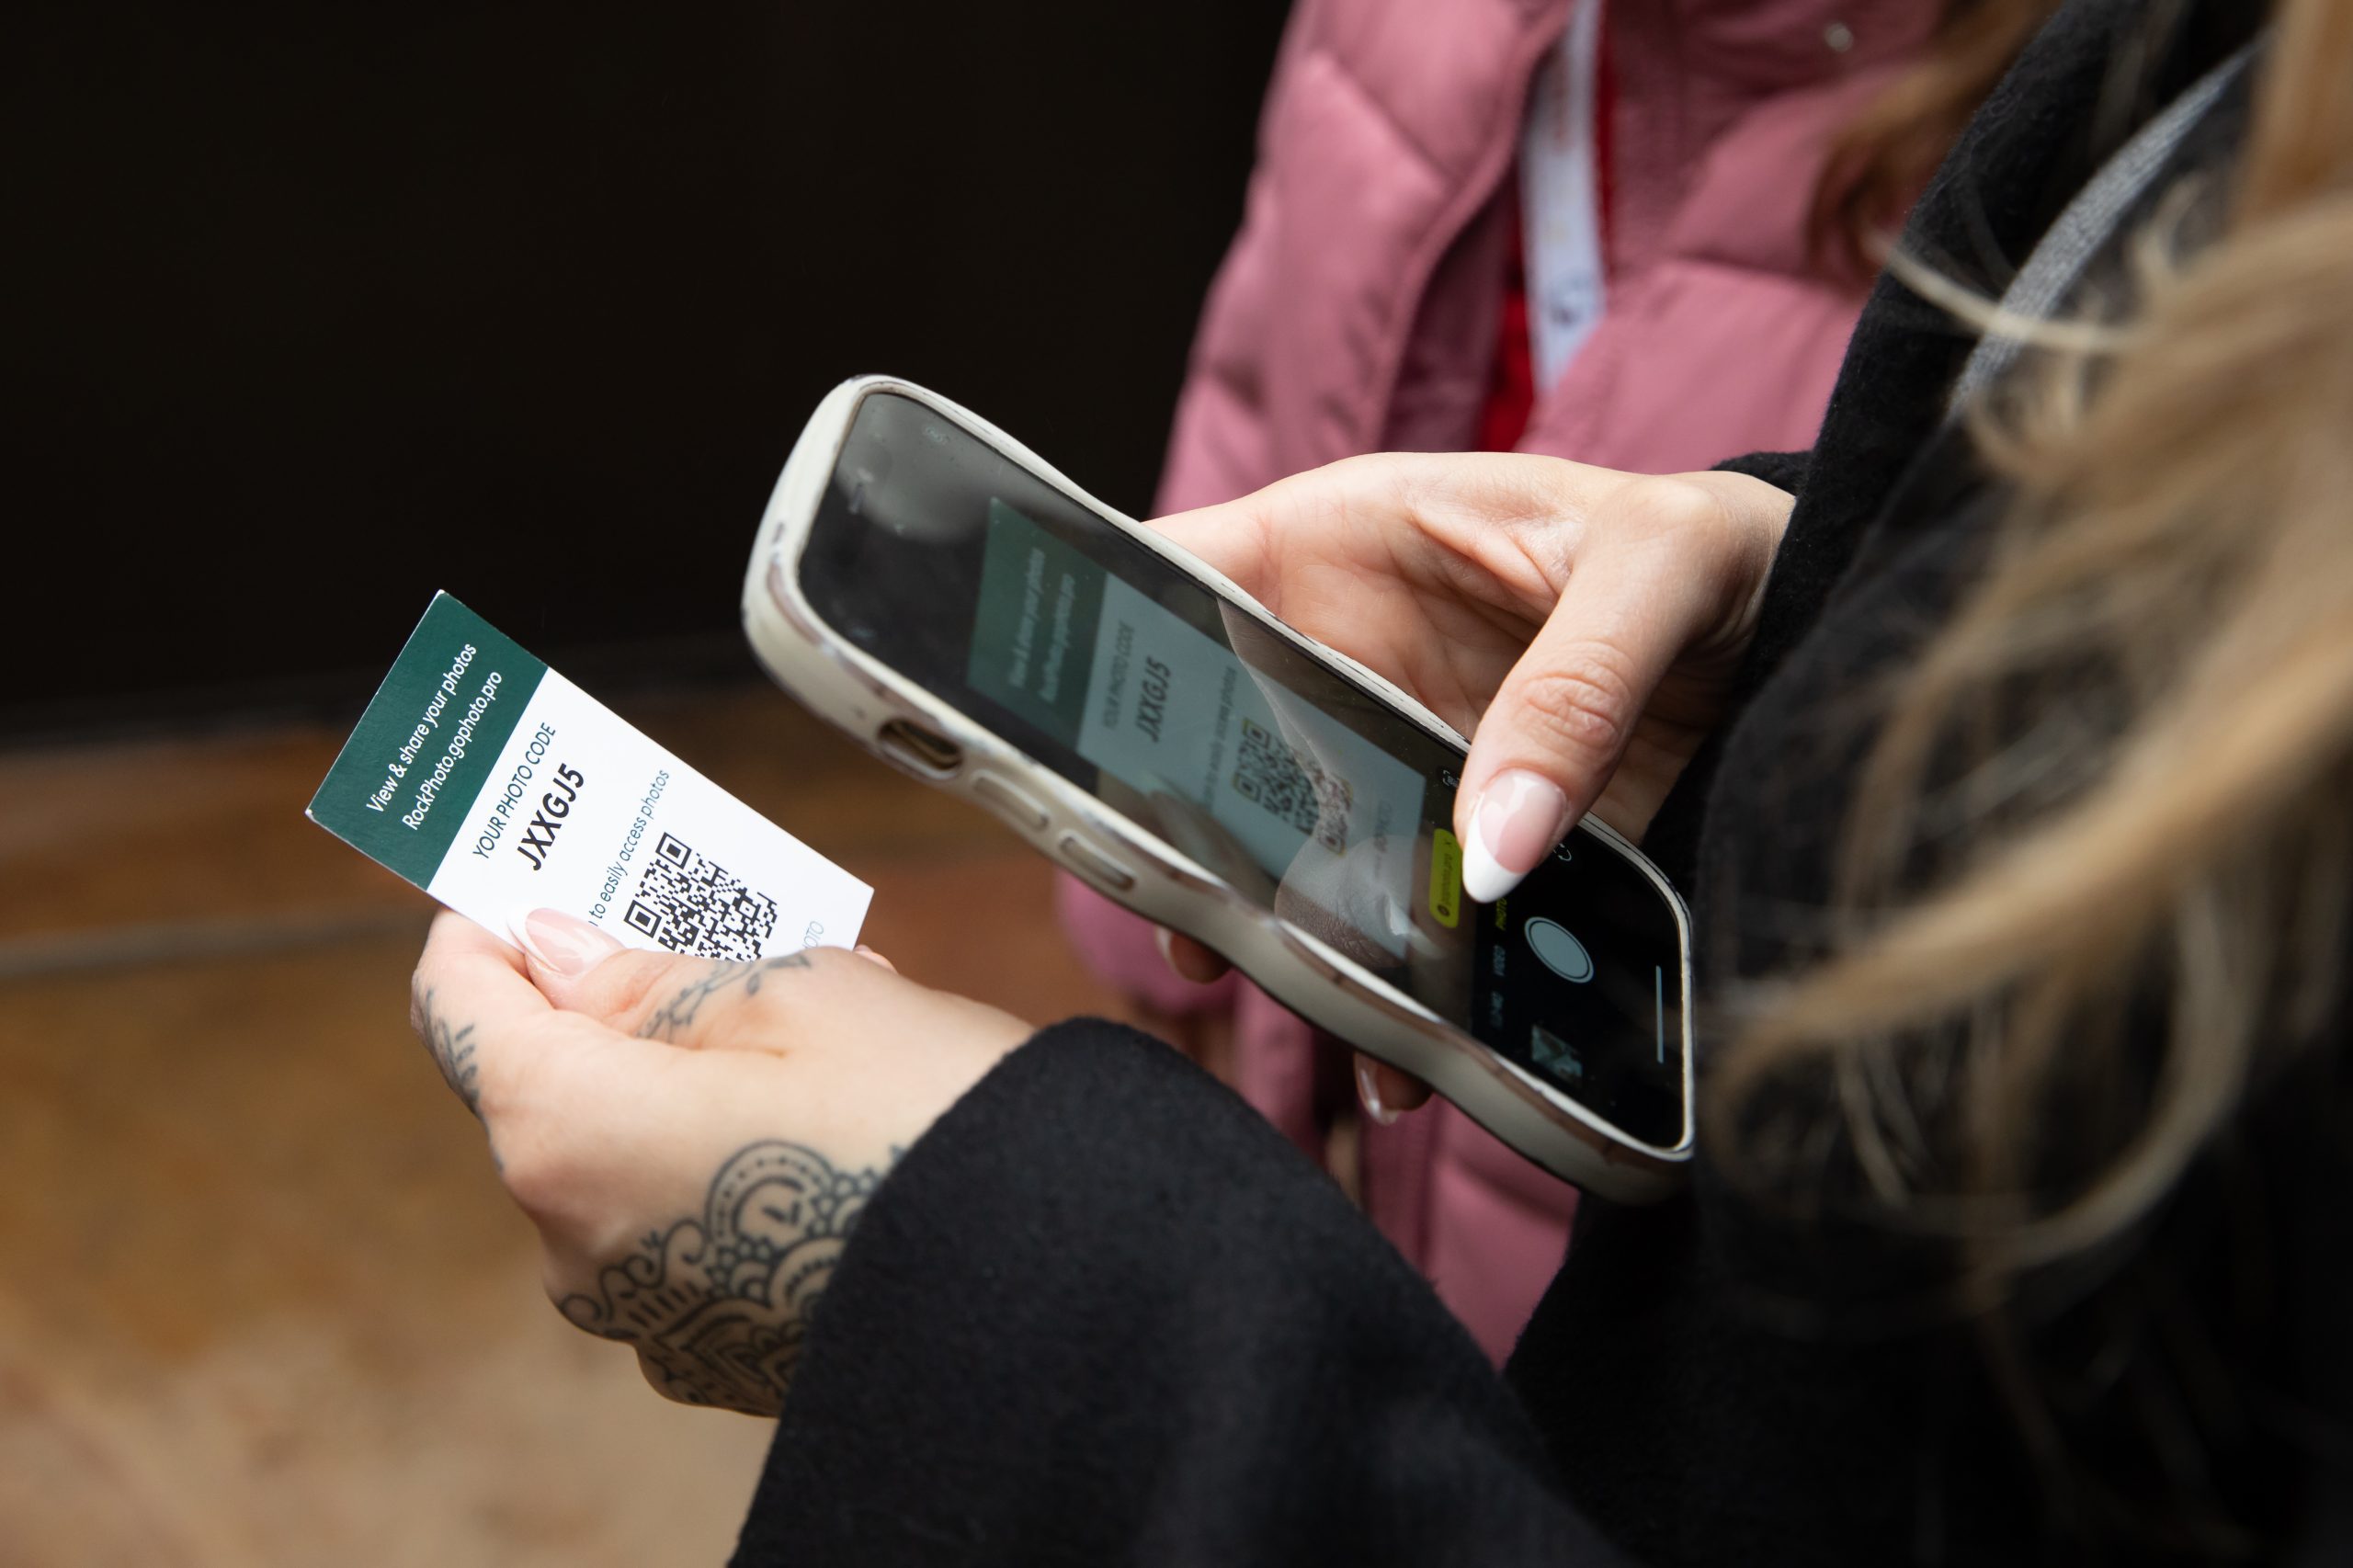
(400, 791)
(1033, 637)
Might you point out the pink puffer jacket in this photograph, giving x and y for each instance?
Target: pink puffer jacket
(1358, 311)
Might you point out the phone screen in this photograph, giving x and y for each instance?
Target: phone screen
(1018, 605)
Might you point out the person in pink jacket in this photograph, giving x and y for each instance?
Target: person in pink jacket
(1575, 227)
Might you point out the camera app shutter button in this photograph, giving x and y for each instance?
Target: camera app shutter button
(1561, 952)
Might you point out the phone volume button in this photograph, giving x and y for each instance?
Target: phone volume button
(1014, 805)
(1095, 865)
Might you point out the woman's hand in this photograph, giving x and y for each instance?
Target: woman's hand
(694, 1139)
(1582, 626)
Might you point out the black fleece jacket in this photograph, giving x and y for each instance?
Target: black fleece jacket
(1102, 1313)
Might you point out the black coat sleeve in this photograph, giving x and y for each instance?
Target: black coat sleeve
(1102, 1313)
(1783, 471)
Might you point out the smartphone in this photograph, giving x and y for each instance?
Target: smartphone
(932, 587)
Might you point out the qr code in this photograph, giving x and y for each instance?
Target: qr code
(1293, 788)
(690, 904)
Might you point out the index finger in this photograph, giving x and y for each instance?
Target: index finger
(473, 1004)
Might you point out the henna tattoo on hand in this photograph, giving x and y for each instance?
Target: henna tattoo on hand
(717, 1307)
(680, 1010)
(453, 1052)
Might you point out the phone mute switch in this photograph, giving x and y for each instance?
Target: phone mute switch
(1095, 865)
(1008, 802)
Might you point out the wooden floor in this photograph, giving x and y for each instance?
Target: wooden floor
(261, 1301)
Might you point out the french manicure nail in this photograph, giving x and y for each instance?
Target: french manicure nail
(1520, 817)
(565, 943)
(1368, 1093)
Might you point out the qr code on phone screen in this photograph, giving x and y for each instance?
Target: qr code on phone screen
(690, 904)
(1293, 788)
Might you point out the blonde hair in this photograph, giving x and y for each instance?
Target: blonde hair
(2140, 723)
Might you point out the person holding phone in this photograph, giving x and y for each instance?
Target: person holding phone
(2012, 758)
(1609, 231)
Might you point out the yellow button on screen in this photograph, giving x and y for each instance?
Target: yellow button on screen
(1445, 878)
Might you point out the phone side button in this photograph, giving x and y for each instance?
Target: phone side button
(1017, 807)
(1096, 866)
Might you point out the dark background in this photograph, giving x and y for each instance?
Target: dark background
(317, 309)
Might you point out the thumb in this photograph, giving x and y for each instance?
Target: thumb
(1558, 724)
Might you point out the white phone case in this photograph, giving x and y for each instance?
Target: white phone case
(851, 689)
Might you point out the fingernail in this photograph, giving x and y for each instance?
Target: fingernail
(565, 943)
(1520, 817)
(1369, 1093)
(1161, 939)
(862, 950)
